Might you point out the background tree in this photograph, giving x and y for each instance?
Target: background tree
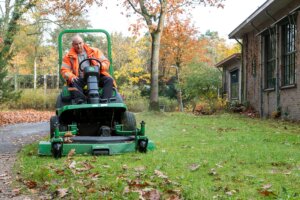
(11, 14)
(216, 47)
(131, 56)
(201, 81)
(154, 13)
(179, 46)
(14, 11)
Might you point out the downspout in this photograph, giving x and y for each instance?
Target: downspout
(277, 70)
(277, 85)
(242, 71)
(261, 78)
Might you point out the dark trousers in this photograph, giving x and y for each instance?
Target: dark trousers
(105, 82)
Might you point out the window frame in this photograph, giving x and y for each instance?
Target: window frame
(288, 51)
(236, 84)
(270, 59)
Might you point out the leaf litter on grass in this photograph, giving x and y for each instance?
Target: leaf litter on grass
(246, 167)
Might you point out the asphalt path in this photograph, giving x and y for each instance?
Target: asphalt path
(12, 139)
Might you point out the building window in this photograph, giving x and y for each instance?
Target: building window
(288, 52)
(270, 58)
(234, 84)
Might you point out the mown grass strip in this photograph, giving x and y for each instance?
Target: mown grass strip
(197, 157)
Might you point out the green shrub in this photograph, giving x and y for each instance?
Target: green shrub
(167, 104)
(137, 105)
(133, 99)
(35, 99)
(209, 106)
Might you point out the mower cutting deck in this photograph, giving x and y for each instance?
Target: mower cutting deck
(95, 126)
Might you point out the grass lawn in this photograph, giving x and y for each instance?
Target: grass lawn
(197, 157)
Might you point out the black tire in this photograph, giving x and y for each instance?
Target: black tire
(128, 121)
(53, 120)
(57, 150)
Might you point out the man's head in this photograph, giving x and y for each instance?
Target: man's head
(77, 43)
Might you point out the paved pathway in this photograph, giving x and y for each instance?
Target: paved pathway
(12, 138)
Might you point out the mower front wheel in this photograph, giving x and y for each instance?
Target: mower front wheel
(142, 145)
(57, 149)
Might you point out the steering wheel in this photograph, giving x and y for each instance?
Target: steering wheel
(89, 59)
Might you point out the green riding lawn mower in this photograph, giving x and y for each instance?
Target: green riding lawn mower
(96, 126)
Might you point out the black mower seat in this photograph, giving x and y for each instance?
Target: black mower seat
(100, 140)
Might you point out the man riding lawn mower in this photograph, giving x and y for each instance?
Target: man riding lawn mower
(91, 119)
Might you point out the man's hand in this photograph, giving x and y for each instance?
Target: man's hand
(74, 79)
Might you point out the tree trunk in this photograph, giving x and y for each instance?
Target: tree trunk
(154, 103)
(179, 92)
(34, 73)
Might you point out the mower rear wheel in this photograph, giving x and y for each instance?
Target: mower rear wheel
(128, 121)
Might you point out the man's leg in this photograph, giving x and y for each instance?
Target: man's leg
(78, 93)
(106, 83)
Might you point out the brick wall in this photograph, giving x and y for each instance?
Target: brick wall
(266, 102)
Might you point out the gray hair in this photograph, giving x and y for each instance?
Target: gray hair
(76, 38)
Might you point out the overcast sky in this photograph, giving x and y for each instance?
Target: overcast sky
(205, 18)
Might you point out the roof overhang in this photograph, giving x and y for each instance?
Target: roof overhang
(257, 19)
(226, 61)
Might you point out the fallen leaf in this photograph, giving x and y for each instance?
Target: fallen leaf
(94, 175)
(68, 140)
(219, 165)
(194, 167)
(71, 153)
(61, 193)
(174, 197)
(68, 134)
(16, 191)
(174, 194)
(138, 183)
(212, 172)
(230, 193)
(124, 167)
(126, 190)
(33, 191)
(59, 172)
(72, 165)
(22, 116)
(266, 193)
(266, 190)
(91, 190)
(151, 194)
(30, 184)
(140, 168)
(88, 165)
(266, 187)
(160, 174)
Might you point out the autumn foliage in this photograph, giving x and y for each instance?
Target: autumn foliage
(24, 116)
(180, 45)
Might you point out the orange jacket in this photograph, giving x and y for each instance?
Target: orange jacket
(70, 65)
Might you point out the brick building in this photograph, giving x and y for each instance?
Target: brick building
(231, 82)
(270, 69)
